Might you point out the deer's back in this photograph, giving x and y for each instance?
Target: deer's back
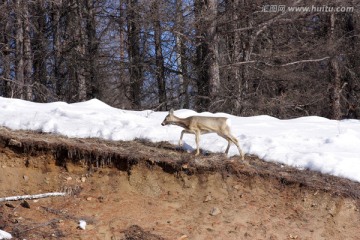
(208, 124)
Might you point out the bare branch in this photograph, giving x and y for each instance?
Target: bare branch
(23, 197)
(272, 65)
(298, 62)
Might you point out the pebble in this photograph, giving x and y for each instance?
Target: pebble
(215, 211)
(208, 198)
(183, 237)
(82, 224)
(25, 204)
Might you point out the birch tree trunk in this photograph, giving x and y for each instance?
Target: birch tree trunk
(335, 75)
(184, 98)
(213, 54)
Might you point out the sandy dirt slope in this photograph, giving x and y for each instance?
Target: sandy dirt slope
(141, 190)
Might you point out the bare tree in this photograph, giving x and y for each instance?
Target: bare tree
(28, 56)
(6, 87)
(208, 81)
(181, 59)
(135, 63)
(19, 51)
(232, 56)
(159, 59)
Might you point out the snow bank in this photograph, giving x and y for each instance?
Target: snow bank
(320, 144)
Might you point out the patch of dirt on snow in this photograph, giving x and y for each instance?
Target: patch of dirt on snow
(142, 190)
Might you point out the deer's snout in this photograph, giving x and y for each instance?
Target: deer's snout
(163, 124)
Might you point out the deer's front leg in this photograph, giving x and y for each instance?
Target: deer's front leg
(181, 137)
(197, 140)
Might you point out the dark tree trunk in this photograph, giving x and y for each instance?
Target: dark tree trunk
(92, 52)
(135, 67)
(207, 56)
(159, 59)
(19, 50)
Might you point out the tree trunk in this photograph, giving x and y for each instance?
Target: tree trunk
(234, 52)
(92, 52)
(207, 56)
(213, 54)
(57, 48)
(19, 51)
(81, 51)
(159, 59)
(5, 51)
(335, 75)
(28, 59)
(40, 54)
(135, 68)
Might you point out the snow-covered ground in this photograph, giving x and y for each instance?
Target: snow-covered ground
(315, 143)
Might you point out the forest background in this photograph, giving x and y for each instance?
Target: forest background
(244, 57)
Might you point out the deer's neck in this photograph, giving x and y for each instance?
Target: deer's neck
(182, 122)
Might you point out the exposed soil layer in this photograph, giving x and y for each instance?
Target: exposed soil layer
(143, 190)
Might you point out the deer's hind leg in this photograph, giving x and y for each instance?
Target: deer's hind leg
(197, 140)
(231, 139)
(236, 142)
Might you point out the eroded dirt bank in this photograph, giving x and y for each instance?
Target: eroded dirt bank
(168, 193)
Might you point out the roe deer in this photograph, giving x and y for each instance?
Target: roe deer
(200, 125)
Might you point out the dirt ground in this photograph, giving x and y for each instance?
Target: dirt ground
(140, 190)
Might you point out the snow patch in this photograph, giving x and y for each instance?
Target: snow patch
(314, 143)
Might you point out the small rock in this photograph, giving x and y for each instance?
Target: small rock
(68, 178)
(26, 178)
(208, 198)
(83, 179)
(9, 205)
(183, 237)
(215, 211)
(25, 204)
(89, 198)
(82, 224)
(14, 142)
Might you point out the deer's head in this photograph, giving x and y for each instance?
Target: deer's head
(169, 119)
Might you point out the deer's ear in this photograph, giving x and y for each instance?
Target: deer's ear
(171, 111)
